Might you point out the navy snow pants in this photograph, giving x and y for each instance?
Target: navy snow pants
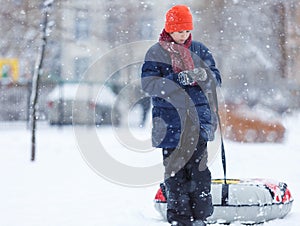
(188, 190)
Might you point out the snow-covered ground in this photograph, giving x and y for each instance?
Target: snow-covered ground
(60, 189)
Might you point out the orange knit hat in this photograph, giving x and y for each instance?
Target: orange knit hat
(179, 18)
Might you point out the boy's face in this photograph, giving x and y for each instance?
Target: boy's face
(180, 36)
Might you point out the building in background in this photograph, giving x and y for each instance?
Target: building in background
(92, 29)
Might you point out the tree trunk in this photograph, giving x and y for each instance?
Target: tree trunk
(36, 76)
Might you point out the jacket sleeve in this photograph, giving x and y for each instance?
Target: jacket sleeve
(208, 59)
(155, 81)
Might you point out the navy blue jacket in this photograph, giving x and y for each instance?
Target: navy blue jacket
(170, 98)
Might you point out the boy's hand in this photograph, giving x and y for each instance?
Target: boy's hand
(192, 76)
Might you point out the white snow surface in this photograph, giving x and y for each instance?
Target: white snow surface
(60, 189)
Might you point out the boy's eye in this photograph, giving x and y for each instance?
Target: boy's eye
(184, 31)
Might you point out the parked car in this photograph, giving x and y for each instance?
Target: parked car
(66, 107)
(244, 124)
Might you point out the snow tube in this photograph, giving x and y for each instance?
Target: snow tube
(248, 201)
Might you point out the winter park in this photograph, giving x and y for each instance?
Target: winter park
(150, 113)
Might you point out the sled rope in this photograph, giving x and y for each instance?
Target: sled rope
(213, 102)
(212, 98)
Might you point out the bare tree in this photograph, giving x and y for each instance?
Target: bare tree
(37, 73)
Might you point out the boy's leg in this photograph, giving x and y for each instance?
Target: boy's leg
(200, 184)
(178, 200)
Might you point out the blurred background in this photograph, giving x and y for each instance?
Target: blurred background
(256, 45)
